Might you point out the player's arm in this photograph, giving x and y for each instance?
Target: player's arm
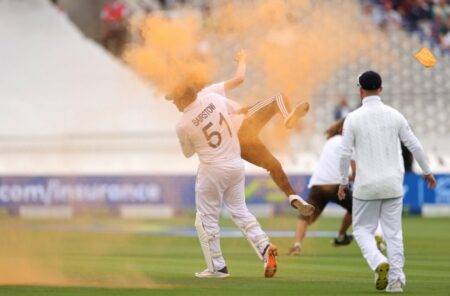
(348, 142)
(239, 76)
(353, 174)
(411, 142)
(185, 142)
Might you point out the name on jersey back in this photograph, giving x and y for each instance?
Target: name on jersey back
(204, 114)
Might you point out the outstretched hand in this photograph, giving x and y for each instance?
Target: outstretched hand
(241, 56)
(239, 77)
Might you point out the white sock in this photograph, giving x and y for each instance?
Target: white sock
(297, 244)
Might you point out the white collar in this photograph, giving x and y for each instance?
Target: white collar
(371, 100)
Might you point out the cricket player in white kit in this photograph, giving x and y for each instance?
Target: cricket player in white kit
(374, 132)
(206, 128)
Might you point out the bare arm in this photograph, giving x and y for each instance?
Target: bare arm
(239, 76)
(353, 166)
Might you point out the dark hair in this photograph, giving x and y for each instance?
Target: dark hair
(335, 128)
(370, 80)
(186, 91)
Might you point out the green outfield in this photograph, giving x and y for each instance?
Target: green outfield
(91, 257)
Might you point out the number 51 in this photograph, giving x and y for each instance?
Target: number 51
(210, 135)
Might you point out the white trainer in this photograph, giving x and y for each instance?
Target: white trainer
(381, 244)
(301, 205)
(395, 287)
(381, 276)
(211, 274)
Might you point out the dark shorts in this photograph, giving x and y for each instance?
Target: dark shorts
(320, 195)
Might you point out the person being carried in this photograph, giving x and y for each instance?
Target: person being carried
(205, 128)
(249, 122)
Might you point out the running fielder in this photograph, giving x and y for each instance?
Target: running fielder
(373, 133)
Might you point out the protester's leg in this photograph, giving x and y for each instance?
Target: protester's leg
(255, 152)
(317, 199)
(258, 116)
(391, 225)
(300, 231)
(347, 204)
(346, 223)
(260, 113)
(365, 221)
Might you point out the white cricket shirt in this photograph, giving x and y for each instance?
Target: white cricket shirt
(206, 128)
(326, 171)
(373, 132)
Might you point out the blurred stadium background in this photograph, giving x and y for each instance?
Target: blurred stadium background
(82, 133)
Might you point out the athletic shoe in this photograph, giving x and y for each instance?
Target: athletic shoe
(304, 208)
(395, 287)
(344, 241)
(294, 251)
(223, 273)
(381, 276)
(381, 244)
(299, 111)
(270, 261)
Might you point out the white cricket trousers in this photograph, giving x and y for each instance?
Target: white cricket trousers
(366, 216)
(225, 184)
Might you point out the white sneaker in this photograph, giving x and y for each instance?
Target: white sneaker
(212, 274)
(381, 276)
(395, 287)
(381, 244)
(299, 111)
(301, 205)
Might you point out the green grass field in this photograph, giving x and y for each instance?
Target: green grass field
(36, 259)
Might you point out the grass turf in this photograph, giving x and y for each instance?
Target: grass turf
(102, 263)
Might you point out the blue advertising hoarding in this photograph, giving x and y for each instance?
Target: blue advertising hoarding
(174, 190)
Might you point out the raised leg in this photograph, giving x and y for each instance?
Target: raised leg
(255, 152)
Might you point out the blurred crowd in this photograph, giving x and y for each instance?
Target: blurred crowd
(428, 19)
(116, 14)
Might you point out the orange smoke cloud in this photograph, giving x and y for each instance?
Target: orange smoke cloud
(294, 45)
(33, 257)
(170, 53)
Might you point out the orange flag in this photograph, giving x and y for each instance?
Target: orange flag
(425, 57)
